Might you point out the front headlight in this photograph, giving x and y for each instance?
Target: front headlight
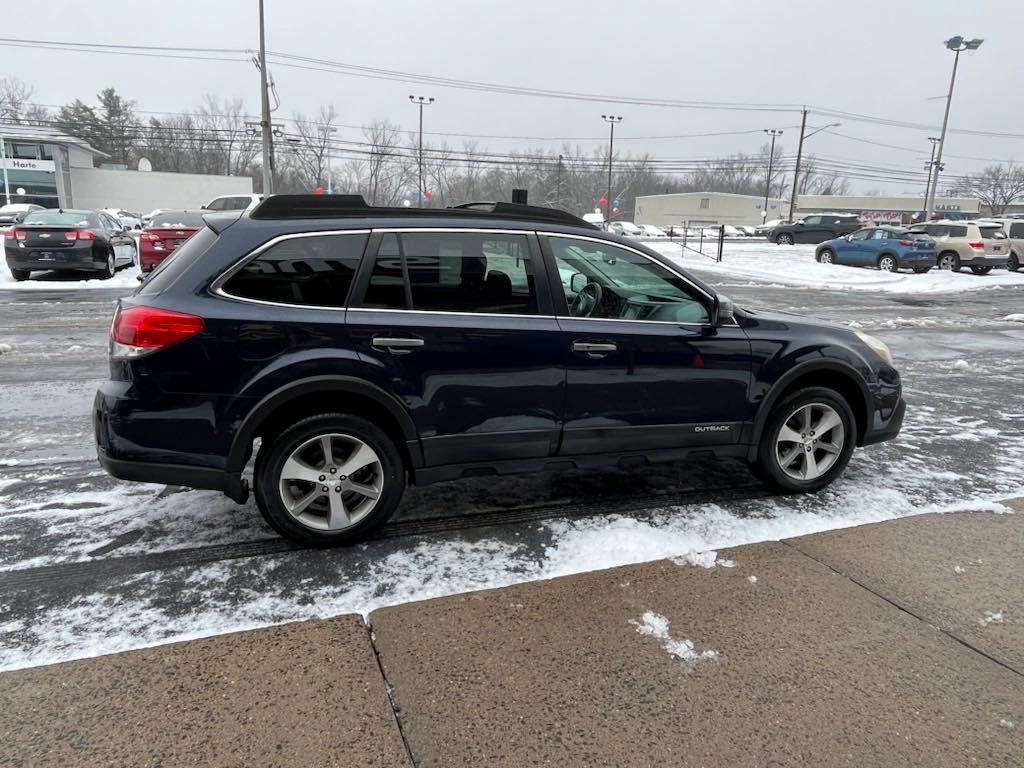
(878, 346)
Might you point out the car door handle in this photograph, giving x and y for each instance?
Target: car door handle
(398, 345)
(594, 349)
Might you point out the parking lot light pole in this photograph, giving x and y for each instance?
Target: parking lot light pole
(799, 157)
(422, 101)
(768, 181)
(611, 120)
(931, 164)
(957, 44)
(326, 131)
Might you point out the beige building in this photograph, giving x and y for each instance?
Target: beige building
(706, 208)
(880, 208)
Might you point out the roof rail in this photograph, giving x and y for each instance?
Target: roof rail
(335, 206)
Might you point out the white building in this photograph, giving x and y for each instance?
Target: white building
(707, 208)
(44, 166)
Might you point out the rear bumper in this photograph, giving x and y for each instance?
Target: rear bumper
(232, 486)
(149, 259)
(910, 259)
(985, 260)
(56, 258)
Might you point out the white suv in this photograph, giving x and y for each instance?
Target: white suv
(233, 203)
(980, 245)
(1014, 229)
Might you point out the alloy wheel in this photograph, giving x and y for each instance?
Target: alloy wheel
(887, 264)
(331, 482)
(810, 441)
(947, 261)
(826, 257)
(785, 239)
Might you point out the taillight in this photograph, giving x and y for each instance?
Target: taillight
(906, 242)
(80, 234)
(15, 233)
(977, 244)
(9, 234)
(138, 330)
(149, 237)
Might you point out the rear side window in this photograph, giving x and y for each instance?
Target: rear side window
(955, 231)
(992, 233)
(1017, 229)
(453, 272)
(311, 271)
(170, 268)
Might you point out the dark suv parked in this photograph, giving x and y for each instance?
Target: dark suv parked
(816, 228)
(366, 348)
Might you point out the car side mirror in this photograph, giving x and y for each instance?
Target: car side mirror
(204, 206)
(724, 311)
(577, 282)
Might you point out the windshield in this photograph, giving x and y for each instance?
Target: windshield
(62, 219)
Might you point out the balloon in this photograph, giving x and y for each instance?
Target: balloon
(427, 194)
(615, 210)
(603, 201)
(318, 191)
(616, 203)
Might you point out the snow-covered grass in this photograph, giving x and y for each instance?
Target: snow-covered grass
(761, 262)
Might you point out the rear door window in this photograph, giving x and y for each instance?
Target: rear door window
(463, 272)
(309, 271)
(1017, 229)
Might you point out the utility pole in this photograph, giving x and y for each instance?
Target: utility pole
(929, 167)
(611, 120)
(799, 157)
(326, 131)
(768, 181)
(422, 101)
(7, 183)
(268, 163)
(558, 184)
(957, 44)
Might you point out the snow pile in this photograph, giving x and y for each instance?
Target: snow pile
(992, 617)
(1004, 723)
(698, 559)
(5, 349)
(752, 579)
(761, 262)
(49, 281)
(1016, 317)
(655, 625)
(961, 365)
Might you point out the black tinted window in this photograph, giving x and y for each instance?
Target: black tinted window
(168, 270)
(314, 270)
(955, 231)
(1017, 229)
(454, 272)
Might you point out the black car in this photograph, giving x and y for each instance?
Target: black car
(366, 348)
(54, 239)
(816, 228)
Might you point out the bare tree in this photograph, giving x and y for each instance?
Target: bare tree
(997, 187)
(14, 99)
(384, 173)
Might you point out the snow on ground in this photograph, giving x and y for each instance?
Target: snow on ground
(48, 281)
(655, 625)
(794, 265)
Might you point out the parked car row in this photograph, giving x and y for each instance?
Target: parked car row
(949, 245)
(68, 240)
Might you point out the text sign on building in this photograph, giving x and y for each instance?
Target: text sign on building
(892, 216)
(16, 164)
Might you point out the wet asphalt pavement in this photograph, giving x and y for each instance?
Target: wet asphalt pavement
(77, 546)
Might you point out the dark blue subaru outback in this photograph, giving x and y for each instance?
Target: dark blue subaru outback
(366, 348)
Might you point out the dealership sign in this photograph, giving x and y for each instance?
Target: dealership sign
(16, 164)
(895, 216)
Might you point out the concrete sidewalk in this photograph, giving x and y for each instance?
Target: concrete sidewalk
(899, 643)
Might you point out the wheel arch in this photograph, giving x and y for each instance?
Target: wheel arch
(832, 374)
(325, 394)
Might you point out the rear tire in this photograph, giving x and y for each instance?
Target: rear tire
(887, 263)
(299, 509)
(821, 447)
(949, 261)
(20, 274)
(784, 239)
(110, 267)
(981, 270)
(1013, 263)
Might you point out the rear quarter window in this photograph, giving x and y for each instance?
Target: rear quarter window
(312, 270)
(1017, 229)
(184, 256)
(992, 233)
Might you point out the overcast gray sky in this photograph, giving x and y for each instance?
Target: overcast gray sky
(871, 57)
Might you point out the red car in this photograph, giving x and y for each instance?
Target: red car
(165, 232)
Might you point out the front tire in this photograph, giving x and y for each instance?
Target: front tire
(784, 239)
(827, 256)
(20, 274)
(329, 480)
(1013, 263)
(981, 270)
(807, 442)
(948, 261)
